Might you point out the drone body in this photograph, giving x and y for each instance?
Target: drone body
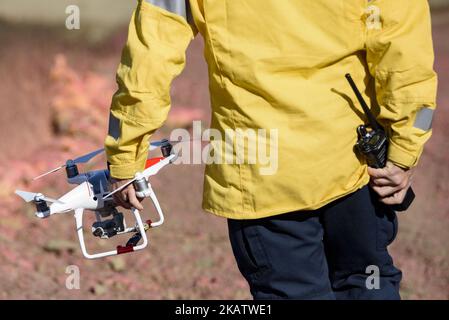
(92, 193)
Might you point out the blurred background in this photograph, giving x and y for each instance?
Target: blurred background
(54, 100)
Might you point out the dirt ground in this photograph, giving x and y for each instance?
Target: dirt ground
(54, 101)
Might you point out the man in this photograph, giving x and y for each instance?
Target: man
(313, 229)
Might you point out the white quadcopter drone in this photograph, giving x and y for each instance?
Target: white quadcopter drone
(92, 193)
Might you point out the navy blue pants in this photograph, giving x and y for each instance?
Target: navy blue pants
(336, 252)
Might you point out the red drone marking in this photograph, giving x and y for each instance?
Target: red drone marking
(126, 249)
(153, 161)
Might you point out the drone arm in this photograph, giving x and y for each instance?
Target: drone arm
(154, 169)
(150, 171)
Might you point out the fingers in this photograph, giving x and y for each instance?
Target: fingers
(390, 183)
(127, 198)
(377, 173)
(386, 191)
(392, 174)
(382, 182)
(120, 201)
(133, 199)
(385, 188)
(396, 198)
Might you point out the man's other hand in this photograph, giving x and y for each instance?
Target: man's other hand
(127, 196)
(390, 183)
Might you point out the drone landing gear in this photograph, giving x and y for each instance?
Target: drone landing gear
(116, 225)
(106, 229)
(130, 247)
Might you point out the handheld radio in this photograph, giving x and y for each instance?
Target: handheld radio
(372, 143)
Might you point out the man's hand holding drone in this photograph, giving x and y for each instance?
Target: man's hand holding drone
(127, 196)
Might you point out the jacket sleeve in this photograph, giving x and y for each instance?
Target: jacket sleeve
(153, 56)
(400, 58)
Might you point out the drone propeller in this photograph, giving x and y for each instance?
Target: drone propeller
(87, 157)
(159, 143)
(83, 159)
(31, 196)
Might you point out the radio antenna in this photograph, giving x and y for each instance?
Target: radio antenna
(362, 102)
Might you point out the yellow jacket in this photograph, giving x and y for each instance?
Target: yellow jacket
(276, 64)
